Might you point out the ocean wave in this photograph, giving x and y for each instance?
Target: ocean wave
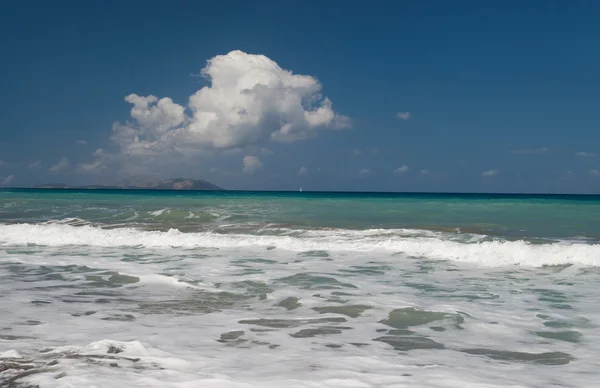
(412, 243)
(73, 221)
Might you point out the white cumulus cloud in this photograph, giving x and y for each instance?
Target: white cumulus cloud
(490, 173)
(249, 100)
(36, 164)
(595, 172)
(401, 170)
(60, 165)
(303, 171)
(403, 115)
(7, 180)
(251, 164)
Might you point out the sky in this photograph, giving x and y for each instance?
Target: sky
(462, 96)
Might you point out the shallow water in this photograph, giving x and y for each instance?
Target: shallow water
(267, 291)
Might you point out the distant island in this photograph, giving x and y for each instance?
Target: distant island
(168, 184)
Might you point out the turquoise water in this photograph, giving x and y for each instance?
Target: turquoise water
(513, 216)
(236, 289)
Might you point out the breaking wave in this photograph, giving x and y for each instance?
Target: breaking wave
(413, 243)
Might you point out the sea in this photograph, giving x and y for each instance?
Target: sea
(126, 288)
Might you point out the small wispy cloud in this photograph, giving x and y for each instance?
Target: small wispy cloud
(94, 166)
(403, 115)
(595, 172)
(251, 164)
(582, 154)
(490, 173)
(36, 164)
(1, 163)
(401, 170)
(82, 142)
(60, 165)
(356, 151)
(364, 171)
(303, 171)
(7, 180)
(531, 151)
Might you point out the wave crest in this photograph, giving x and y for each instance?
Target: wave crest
(412, 243)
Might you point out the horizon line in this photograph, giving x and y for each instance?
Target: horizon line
(75, 188)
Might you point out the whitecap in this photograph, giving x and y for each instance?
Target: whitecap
(408, 242)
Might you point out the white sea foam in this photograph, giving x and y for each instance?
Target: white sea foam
(73, 310)
(10, 354)
(242, 369)
(166, 280)
(133, 217)
(430, 245)
(158, 212)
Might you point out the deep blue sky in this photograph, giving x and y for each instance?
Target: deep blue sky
(507, 87)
